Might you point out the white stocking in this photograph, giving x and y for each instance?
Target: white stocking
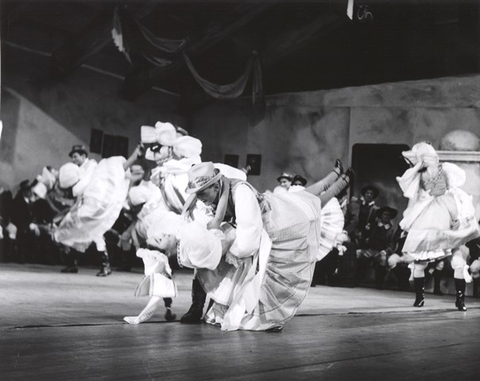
(419, 270)
(147, 312)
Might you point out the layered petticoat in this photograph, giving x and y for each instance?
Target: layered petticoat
(265, 291)
(158, 275)
(436, 224)
(331, 225)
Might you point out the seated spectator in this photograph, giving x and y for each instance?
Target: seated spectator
(8, 231)
(298, 183)
(285, 180)
(347, 260)
(474, 262)
(22, 218)
(380, 243)
(361, 214)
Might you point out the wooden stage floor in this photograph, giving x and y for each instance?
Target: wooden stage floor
(57, 326)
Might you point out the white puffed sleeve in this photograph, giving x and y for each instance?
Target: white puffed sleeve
(200, 248)
(249, 222)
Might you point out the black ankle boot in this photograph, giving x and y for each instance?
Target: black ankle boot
(350, 174)
(70, 262)
(195, 313)
(460, 286)
(339, 166)
(437, 278)
(105, 270)
(169, 315)
(419, 284)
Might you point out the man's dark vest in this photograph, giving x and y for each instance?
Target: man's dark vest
(230, 213)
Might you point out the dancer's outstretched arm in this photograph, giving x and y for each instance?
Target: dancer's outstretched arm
(138, 152)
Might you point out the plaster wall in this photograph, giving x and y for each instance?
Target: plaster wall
(43, 118)
(304, 133)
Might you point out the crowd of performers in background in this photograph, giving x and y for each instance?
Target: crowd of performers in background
(254, 255)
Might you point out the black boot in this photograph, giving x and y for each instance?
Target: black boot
(350, 175)
(195, 313)
(338, 166)
(437, 278)
(169, 315)
(419, 284)
(105, 269)
(70, 259)
(460, 286)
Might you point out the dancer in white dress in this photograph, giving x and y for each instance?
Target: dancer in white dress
(439, 219)
(97, 206)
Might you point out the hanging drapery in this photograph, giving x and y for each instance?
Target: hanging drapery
(134, 40)
(236, 88)
(131, 37)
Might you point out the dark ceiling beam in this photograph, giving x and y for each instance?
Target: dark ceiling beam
(10, 12)
(89, 41)
(292, 40)
(140, 79)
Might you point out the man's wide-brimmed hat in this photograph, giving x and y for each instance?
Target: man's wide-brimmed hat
(371, 188)
(285, 175)
(78, 148)
(201, 176)
(393, 212)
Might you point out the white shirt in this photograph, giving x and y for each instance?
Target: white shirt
(249, 222)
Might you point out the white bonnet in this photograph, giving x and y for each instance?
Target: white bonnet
(422, 152)
(163, 133)
(139, 194)
(68, 175)
(187, 146)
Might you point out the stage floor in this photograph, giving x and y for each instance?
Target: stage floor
(56, 326)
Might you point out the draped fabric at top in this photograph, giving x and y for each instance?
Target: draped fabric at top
(137, 42)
